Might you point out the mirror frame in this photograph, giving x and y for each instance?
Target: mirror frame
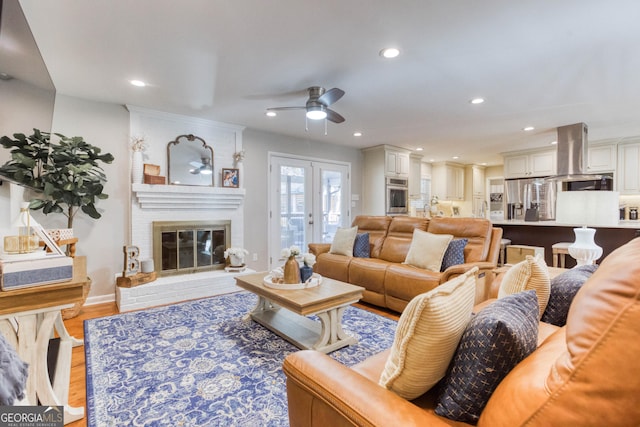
(176, 143)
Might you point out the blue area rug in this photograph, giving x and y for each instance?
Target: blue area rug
(201, 363)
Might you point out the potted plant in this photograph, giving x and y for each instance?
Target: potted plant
(67, 174)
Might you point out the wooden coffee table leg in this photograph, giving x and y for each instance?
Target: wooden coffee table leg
(264, 305)
(332, 336)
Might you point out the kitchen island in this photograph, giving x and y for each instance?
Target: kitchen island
(546, 233)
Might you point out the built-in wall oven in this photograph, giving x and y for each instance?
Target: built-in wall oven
(397, 196)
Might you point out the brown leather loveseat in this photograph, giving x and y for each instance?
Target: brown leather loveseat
(585, 373)
(390, 283)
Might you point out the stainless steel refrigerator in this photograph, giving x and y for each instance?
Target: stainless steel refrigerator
(530, 199)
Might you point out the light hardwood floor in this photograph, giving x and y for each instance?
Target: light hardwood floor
(75, 326)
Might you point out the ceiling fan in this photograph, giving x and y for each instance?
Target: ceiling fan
(317, 106)
(203, 167)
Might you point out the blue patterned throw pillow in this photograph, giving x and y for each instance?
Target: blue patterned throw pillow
(361, 246)
(494, 342)
(564, 287)
(454, 255)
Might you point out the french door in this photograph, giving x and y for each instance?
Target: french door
(308, 201)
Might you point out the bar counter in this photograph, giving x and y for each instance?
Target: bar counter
(546, 233)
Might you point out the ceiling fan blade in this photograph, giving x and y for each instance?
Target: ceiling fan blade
(331, 96)
(334, 117)
(195, 164)
(285, 108)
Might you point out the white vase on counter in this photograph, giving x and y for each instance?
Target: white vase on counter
(584, 249)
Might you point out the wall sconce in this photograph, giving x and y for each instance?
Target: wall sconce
(238, 157)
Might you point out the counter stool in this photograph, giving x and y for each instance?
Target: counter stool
(560, 250)
(503, 250)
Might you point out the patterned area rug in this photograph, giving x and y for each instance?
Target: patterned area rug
(201, 363)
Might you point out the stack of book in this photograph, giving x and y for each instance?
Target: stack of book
(42, 267)
(26, 271)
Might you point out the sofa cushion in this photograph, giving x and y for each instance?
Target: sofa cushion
(361, 246)
(427, 335)
(343, 241)
(454, 255)
(377, 227)
(427, 250)
(563, 288)
(532, 273)
(396, 244)
(476, 230)
(496, 340)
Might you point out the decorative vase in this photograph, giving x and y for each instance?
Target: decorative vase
(305, 273)
(584, 249)
(236, 260)
(291, 271)
(137, 167)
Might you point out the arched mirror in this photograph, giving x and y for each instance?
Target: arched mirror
(190, 161)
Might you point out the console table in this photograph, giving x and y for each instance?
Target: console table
(29, 317)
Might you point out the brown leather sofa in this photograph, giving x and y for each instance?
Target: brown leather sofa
(388, 282)
(583, 374)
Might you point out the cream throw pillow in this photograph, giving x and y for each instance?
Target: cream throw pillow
(427, 249)
(427, 336)
(343, 241)
(532, 273)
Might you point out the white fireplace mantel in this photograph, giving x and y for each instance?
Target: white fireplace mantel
(172, 197)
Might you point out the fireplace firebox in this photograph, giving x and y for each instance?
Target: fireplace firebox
(182, 247)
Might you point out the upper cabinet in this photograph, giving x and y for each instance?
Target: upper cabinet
(415, 174)
(530, 164)
(396, 163)
(628, 172)
(447, 181)
(602, 157)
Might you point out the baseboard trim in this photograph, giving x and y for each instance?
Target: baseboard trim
(101, 299)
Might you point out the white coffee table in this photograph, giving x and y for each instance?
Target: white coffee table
(284, 311)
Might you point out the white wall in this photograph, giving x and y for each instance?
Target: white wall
(106, 126)
(257, 145)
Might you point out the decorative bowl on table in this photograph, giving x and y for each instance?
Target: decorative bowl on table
(276, 283)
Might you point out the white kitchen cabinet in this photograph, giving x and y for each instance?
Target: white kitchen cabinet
(415, 167)
(448, 181)
(380, 162)
(396, 163)
(530, 164)
(475, 189)
(628, 172)
(602, 157)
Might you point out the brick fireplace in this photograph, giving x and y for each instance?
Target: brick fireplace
(195, 208)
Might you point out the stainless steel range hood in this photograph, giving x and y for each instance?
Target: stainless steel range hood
(572, 156)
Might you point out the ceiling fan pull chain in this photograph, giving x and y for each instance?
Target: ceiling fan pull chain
(325, 127)
(306, 124)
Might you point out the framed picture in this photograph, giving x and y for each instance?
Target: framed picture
(456, 211)
(230, 178)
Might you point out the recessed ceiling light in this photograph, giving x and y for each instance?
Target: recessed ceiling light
(483, 164)
(389, 52)
(477, 101)
(553, 142)
(456, 157)
(419, 149)
(357, 134)
(528, 128)
(432, 160)
(270, 113)
(138, 83)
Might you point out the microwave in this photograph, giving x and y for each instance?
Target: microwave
(599, 183)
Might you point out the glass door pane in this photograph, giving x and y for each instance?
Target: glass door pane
(332, 203)
(292, 206)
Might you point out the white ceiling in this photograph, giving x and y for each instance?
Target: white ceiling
(543, 63)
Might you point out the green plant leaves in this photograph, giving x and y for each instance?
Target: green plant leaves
(67, 173)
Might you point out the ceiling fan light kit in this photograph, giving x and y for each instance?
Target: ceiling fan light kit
(317, 106)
